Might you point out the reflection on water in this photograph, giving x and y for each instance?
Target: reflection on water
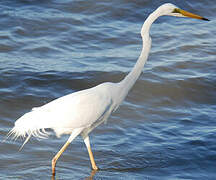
(166, 127)
(92, 175)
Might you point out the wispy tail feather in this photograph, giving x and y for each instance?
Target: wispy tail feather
(17, 132)
(31, 124)
(26, 140)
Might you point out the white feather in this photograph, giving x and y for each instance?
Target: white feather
(77, 110)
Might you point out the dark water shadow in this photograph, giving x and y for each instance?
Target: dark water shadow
(93, 172)
(123, 169)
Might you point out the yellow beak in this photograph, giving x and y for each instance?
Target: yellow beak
(191, 15)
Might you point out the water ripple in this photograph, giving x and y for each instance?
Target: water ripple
(165, 129)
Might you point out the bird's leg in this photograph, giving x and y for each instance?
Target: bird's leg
(87, 143)
(74, 134)
(54, 160)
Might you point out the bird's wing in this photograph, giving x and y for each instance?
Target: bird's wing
(77, 110)
(80, 109)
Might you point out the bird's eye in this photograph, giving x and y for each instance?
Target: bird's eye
(176, 10)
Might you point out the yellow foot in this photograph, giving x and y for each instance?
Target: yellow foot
(95, 168)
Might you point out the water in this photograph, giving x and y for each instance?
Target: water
(166, 127)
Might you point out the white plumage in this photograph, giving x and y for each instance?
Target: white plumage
(62, 115)
(80, 112)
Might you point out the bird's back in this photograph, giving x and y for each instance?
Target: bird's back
(77, 110)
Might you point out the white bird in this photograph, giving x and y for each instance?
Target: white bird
(80, 112)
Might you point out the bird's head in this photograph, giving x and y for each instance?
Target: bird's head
(172, 10)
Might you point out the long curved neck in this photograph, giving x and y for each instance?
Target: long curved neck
(127, 83)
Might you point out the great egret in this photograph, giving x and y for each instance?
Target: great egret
(82, 111)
